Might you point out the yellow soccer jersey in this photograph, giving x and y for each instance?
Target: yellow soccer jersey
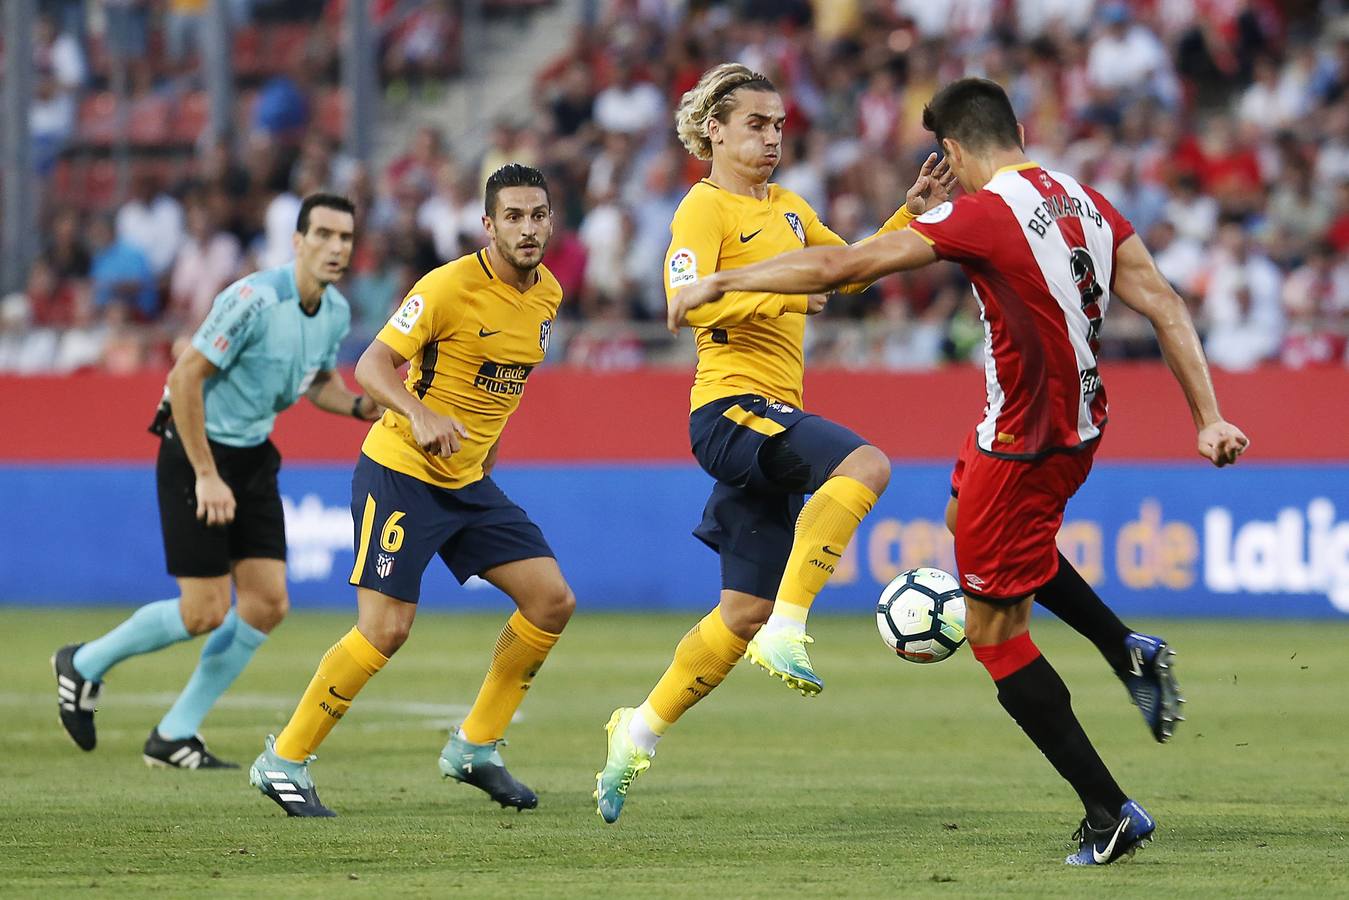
(748, 342)
(472, 341)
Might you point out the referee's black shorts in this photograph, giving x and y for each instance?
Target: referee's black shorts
(191, 548)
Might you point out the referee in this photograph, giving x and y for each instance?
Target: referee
(269, 339)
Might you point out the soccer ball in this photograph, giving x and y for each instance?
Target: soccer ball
(921, 615)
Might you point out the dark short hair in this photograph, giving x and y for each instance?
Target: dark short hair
(326, 201)
(975, 112)
(513, 175)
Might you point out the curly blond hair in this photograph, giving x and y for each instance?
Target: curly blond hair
(713, 97)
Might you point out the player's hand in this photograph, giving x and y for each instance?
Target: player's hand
(1222, 442)
(933, 187)
(815, 303)
(691, 297)
(436, 434)
(215, 500)
(370, 410)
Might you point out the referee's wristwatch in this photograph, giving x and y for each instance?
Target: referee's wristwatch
(356, 407)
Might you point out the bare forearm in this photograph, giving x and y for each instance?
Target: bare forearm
(378, 377)
(333, 396)
(813, 270)
(1185, 357)
(189, 418)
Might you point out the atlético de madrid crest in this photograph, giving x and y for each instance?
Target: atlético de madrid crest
(545, 332)
(797, 228)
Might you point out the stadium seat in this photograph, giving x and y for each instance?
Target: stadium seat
(98, 119)
(248, 58)
(148, 124)
(191, 117)
(331, 113)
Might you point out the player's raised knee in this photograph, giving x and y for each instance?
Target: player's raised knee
(868, 465)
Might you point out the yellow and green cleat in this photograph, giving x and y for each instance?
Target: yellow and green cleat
(624, 763)
(783, 655)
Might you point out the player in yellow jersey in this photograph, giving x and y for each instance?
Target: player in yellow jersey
(747, 427)
(473, 329)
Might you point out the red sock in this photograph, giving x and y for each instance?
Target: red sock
(1010, 656)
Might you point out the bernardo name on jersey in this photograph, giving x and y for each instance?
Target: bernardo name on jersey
(472, 341)
(748, 342)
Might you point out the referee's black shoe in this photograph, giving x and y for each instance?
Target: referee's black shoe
(188, 753)
(76, 697)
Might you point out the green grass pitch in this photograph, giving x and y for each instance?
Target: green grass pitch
(898, 779)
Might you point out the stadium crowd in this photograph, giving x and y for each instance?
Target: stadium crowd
(1220, 128)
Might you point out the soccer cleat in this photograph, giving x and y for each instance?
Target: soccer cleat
(77, 698)
(1151, 682)
(1102, 846)
(481, 766)
(288, 783)
(625, 761)
(783, 655)
(188, 753)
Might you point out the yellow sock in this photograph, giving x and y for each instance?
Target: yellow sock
(342, 672)
(521, 649)
(823, 531)
(702, 659)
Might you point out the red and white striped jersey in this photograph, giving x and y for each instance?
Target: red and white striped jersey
(1039, 248)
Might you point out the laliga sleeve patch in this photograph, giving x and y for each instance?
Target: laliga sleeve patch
(939, 213)
(408, 314)
(683, 268)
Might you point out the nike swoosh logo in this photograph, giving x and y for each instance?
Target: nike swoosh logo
(483, 332)
(746, 240)
(338, 696)
(1103, 858)
(1137, 661)
(830, 550)
(699, 679)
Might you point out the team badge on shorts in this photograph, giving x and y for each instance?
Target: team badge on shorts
(797, 228)
(545, 333)
(384, 565)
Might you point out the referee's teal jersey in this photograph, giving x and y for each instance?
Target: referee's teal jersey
(268, 350)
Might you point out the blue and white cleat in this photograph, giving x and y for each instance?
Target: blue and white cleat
(481, 765)
(1101, 847)
(783, 655)
(1151, 681)
(624, 762)
(288, 783)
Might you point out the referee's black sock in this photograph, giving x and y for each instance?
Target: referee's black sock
(1068, 596)
(1036, 697)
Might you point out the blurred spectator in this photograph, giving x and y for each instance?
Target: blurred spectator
(282, 108)
(629, 105)
(1316, 302)
(375, 287)
(66, 251)
(1241, 303)
(51, 121)
(120, 272)
(608, 342)
(59, 54)
(453, 214)
(50, 298)
(24, 349)
(84, 341)
(207, 262)
(152, 222)
(183, 24)
(1127, 61)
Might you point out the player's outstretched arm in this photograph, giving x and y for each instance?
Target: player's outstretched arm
(377, 374)
(814, 270)
(330, 393)
(1142, 288)
(215, 500)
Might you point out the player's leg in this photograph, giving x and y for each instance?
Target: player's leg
(197, 555)
(1142, 661)
(545, 603)
(257, 550)
(498, 542)
(844, 476)
(752, 534)
(262, 603)
(398, 526)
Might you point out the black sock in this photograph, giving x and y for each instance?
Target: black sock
(1068, 596)
(1036, 697)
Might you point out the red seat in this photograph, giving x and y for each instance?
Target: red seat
(331, 113)
(194, 112)
(149, 121)
(247, 58)
(98, 119)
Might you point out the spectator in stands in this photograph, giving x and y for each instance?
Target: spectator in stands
(120, 272)
(24, 349)
(152, 222)
(83, 343)
(1127, 61)
(50, 298)
(58, 53)
(183, 24)
(282, 108)
(419, 166)
(378, 282)
(1316, 302)
(208, 261)
(630, 105)
(51, 121)
(607, 342)
(66, 252)
(452, 216)
(1241, 303)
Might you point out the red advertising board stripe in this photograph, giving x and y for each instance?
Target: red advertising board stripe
(577, 416)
